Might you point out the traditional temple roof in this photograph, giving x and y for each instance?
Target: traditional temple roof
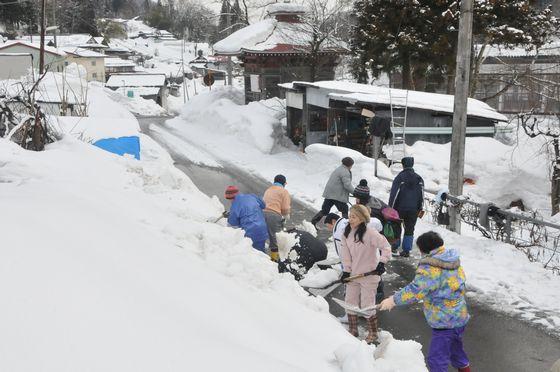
(276, 34)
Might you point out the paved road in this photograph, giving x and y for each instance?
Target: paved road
(494, 342)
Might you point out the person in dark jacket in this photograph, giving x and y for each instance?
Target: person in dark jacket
(337, 191)
(380, 130)
(308, 250)
(246, 212)
(407, 197)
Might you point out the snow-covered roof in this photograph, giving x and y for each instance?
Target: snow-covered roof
(550, 49)
(354, 92)
(285, 8)
(48, 49)
(118, 62)
(61, 40)
(273, 36)
(136, 80)
(81, 52)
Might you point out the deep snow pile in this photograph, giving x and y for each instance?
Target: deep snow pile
(110, 265)
(493, 269)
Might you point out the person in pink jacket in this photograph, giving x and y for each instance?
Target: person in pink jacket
(364, 251)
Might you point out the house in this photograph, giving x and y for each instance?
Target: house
(147, 86)
(118, 66)
(15, 65)
(277, 50)
(54, 58)
(330, 112)
(514, 80)
(93, 62)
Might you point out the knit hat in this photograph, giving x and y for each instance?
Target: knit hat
(281, 179)
(231, 192)
(407, 162)
(362, 212)
(348, 161)
(362, 190)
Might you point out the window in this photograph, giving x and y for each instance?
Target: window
(65, 63)
(94, 75)
(93, 63)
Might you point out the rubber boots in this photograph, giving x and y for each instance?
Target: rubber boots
(372, 328)
(395, 246)
(408, 240)
(465, 369)
(353, 325)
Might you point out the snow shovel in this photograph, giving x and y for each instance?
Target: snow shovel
(215, 220)
(365, 312)
(324, 291)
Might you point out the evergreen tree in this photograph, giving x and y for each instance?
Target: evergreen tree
(419, 37)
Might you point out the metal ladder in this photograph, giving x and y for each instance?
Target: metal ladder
(398, 126)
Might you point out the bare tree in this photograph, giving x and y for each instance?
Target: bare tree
(536, 126)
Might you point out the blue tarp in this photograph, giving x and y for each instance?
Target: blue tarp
(120, 146)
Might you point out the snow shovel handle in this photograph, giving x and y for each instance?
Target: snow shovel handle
(350, 278)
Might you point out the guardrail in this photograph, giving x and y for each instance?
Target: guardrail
(527, 231)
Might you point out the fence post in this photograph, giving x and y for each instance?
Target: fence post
(508, 229)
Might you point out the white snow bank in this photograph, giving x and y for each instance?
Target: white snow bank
(91, 129)
(136, 104)
(218, 113)
(501, 173)
(112, 266)
(494, 270)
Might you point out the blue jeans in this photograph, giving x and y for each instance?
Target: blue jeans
(447, 347)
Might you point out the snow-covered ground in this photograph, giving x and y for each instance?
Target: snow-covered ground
(109, 264)
(249, 137)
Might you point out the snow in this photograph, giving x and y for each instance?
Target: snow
(493, 268)
(137, 104)
(136, 80)
(246, 38)
(268, 34)
(284, 8)
(91, 129)
(81, 52)
(354, 92)
(122, 272)
(117, 62)
(48, 49)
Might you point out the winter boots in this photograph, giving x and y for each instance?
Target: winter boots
(465, 369)
(317, 218)
(408, 240)
(353, 325)
(372, 329)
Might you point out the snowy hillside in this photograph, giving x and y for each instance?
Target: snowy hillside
(109, 265)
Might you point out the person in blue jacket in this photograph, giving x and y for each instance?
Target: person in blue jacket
(246, 212)
(407, 197)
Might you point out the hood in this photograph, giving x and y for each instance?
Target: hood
(445, 258)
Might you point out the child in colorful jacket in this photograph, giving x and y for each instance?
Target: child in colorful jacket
(440, 284)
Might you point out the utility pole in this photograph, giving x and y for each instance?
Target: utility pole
(42, 47)
(462, 72)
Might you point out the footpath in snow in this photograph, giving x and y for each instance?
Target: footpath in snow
(250, 137)
(109, 264)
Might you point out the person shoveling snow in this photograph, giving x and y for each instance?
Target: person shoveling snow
(440, 284)
(299, 251)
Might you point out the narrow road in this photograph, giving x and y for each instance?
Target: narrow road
(494, 341)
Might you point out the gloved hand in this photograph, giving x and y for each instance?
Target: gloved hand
(387, 304)
(225, 214)
(274, 256)
(421, 213)
(345, 275)
(380, 269)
